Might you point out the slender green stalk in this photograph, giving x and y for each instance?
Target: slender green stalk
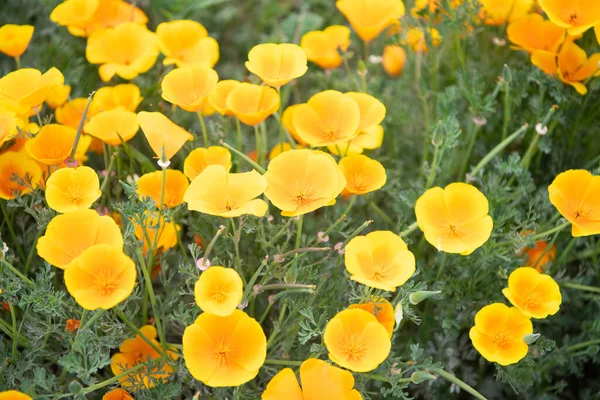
(90, 322)
(465, 161)
(277, 286)
(411, 228)
(299, 232)
(108, 171)
(259, 149)
(434, 166)
(526, 161)
(18, 61)
(277, 296)
(203, 125)
(381, 213)
(350, 204)
(240, 139)
(506, 109)
(252, 281)
(498, 149)
(305, 250)
(212, 242)
(583, 345)
(265, 313)
(152, 297)
(16, 272)
(583, 288)
(12, 231)
(551, 231)
(245, 157)
(32, 251)
(461, 384)
(80, 128)
(13, 317)
(135, 330)
(382, 378)
(284, 362)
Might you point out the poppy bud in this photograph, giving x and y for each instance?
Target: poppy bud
(398, 314)
(421, 376)
(417, 297)
(531, 338)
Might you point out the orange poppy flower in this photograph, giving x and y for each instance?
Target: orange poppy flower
(356, 340)
(277, 64)
(532, 33)
(328, 118)
(70, 113)
(14, 395)
(218, 192)
(224, 351)
(372, 111)
(77, 15)
(320, 380)
(162, 133)
(28, 172)
(252, 104)
(127, 50)
(363, 175)
(27, 88)
(71, 189)
(382, 310)
(186, 43)
(14, 39)
(113, 127)
(189, 87)
(52, 145)
(498, 333)
(498, 12)
(538, 257)
(536, 295)
(576, 15)
(150, 185)
(416, 40)
(72, 325)
(100, 277)
(200, 158)
(323, 47)
(133, 352)
(394, 59)
(370, 17)
(219, 290)
(109, 14)
(576, 195)
(117, 394)
(287, 119)
(218, 98)
(126, 95)
(153, 225)
(301, 181)
(58, 96)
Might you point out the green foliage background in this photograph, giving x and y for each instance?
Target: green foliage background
(432, 105)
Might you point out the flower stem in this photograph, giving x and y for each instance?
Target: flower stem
(16, 241)
(551, 231)
(506, 109)
(253, 279)
(13, 317)
(245, 157)
(152, 297)
(583, 345)
(16, 272)
(284, 362)
(434, 166)
(498, 149)
(350, 204)
(275, 286)
(299, 232)
(203, 125)
(240, 140)
(135, 330)
(80, 127)
(213, 241)
(411, 228)
(467, 155)
(461, 384)
(283, 293)
(584, 288)
(18, 61)
(381, 213)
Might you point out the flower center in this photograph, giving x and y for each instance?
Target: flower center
(106, 284)
(218, 294)
(532, 299)
(222, 353)
(355, 348)
(501, 339)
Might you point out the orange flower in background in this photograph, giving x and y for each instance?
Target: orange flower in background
(576, 15)
(58, 96)
(117, 394)
(277, 64)
(576, 195)
(219, 290)
(572, 65)
(71, 189)
(532, 33)
(380, 260)
(371, 138)
(218, 192)
(133, 352)
(287, 119)
(185, 43)
(151, 184)
(301, 181)
(328, 118)
(382, 310)
(189, 87)
(126, 95)
(498, 333)
(252, 104)
(14, 39)
(162, 133)
(67, 237)
(363, 175)
(538, 257)
(394, 59)
(27, 88)
(454, 219)
(370, 17)
(498, 12)
(323, 47)
(320, 380)
(100, 277)
(77, 15)
(126, 50)
(113, 127)
(417, 40)
(52, 145)
(536, 295)
(70, 113)
(218, 98)
(224, 351)
(356, 340)
(200, 158)
(14, 395)
(372, 111)
(150, 226)
(72, 325)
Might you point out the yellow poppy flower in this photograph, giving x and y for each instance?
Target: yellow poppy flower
(127, 50)
(126, 95)
(8, 125)
(218, 98)
(200, 158)
(117, 394)
(328, 118)
(27, 170)
(282, 148)
(323, 47)
(58, 96)
(27, 88)
(224, 351)
(14, 395)
(109, 14)
(363, 175)
(186, 43)
(370, 17)
(162, 133)
(538, 257)
(380, 260)
(382, 310)
(70, 113)
(77, 15)
(301, 181)
(277, 64)
(67, 237)
(52, 145)
(153, 225)
(415, 39)
(189, 87)
(536, 295)
(320, 380)
(150, 185)
(133, 352)
(113, 127)
(498, 333)
(287, 119)
(100, 277)
(252, 104)
(576, 195)
(372, 111)
(219, 290)
(394, 59)
(454, 219)
(532, 33)
(371, 138)
(218, 192)
(71, 189)
(14, 39)
(356, 340)
(576, 15)
(498, 12)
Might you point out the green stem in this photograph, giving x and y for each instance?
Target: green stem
(212, 242)
(135, 330)
(467, 155)
(276, 286)
(434, 166)
(584, 288)
(299, 232)
(498, 149)
(381, 213)
(245, 157)
(506, 110)
(90, 322)
(350, 204)
(265, 313)
(203, 125)
(284, 362)
(382, 378)
(16, 272)
(551, 231)
(32, 251)
(151, 296)
(283, 293)
(461, 384)
(18, 61)
(13, 317)
(583, 345)
(108, 171)
(80, 127)
(252, 281)
(240, 140)
(411, 228)
(12, 231)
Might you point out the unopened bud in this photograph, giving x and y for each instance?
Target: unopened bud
(362, 68)
(531, 338)
(421, 376)
(398, 315)
(417, 297)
